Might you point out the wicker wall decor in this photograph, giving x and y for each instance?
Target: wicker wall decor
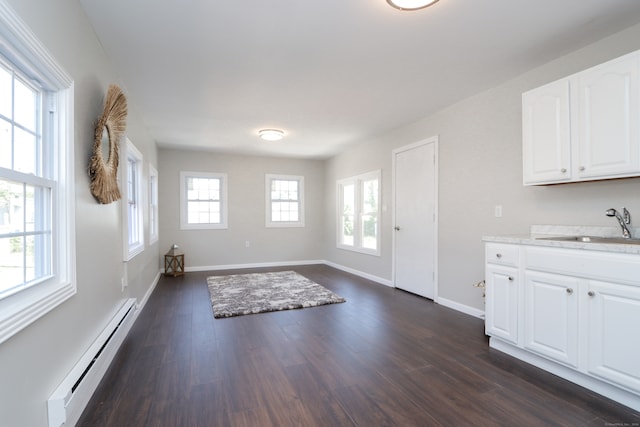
(103, 166)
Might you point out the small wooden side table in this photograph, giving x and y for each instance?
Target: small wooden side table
(174, 262)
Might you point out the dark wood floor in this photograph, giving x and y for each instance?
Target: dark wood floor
(383, 358)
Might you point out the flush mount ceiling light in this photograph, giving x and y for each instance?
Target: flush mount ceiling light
(271, 134)
(411, 4)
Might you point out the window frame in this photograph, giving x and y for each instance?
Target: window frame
(153, 206)
(133, 216)
(24, 53)
(184, 224)
(358, 203)
(269, 222)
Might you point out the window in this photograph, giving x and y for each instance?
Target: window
(153, 204)
(284, 200)
(203, 200)
(134, 237)
(359, 213)
(37, 252)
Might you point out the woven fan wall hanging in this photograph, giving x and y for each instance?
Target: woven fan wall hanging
(103, 167)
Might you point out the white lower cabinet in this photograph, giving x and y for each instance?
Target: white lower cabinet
(501, 279)
(573, 312)
(551, 316)
(503, 321)
(613, 333)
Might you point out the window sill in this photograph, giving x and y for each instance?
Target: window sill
(365, 251)
(22, 309)
(134, 251)
(284, 225)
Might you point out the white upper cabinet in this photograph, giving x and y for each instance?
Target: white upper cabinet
(584, 127)
(608, 119)
(546, 134)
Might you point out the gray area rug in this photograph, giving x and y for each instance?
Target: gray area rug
(240, 294)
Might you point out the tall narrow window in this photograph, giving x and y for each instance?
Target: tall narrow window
(284, 200)
(153, 204)
(369, 213)
(347, 213)
(203, 200)
(359, 213)
(37, 252)
(133, 205)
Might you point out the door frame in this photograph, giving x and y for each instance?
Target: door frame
(431, 140)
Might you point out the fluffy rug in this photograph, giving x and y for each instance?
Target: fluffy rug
(240, 294)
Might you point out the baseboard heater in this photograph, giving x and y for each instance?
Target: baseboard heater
(70, 398)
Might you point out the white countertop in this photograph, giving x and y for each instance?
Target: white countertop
(538, 231)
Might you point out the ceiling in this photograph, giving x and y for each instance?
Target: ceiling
(208, 74)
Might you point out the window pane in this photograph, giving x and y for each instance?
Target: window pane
(370, 196)
(131, 182)
(204, 207)
(11, 262)
(284, 189)
(12, 202)
(369, 231)
(5, 90)
(25, 151)
(6, 154)
(347, 230)
(348, 199)
(6, 200)
(25, 108)
(348, 214)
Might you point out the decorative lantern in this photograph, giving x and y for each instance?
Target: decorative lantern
(174, 262)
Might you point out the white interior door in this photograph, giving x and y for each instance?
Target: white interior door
(415, 196)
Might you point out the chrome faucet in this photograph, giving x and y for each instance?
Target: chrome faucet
(623, 220)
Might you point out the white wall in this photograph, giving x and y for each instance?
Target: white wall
(34, 362)
(481, 166)
(246, 199)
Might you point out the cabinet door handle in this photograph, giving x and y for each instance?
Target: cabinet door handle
(569, 291)
(511, 278)
(582, 168)
(591, 294)
(563, 170)
(498, 256)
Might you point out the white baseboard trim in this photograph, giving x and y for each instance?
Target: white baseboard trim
(140, 305)
(253, 265)
(471, 311)
(371, 277)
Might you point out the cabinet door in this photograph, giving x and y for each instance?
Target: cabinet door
(546, 134)
(613, 333)
(608, 121)
(501, 317)
(551, 316)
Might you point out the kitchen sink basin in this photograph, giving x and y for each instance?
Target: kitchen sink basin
(593, 239)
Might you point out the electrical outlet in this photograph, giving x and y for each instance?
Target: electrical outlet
(498, 211)
(247, 244)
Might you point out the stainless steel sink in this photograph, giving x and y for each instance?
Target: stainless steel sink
(594, 239)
